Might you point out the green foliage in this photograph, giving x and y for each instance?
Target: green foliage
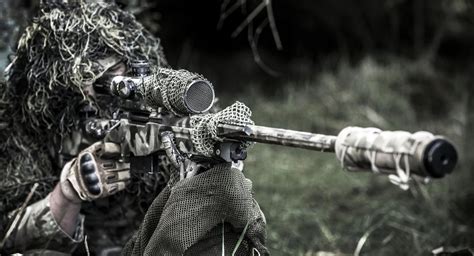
(312, 205)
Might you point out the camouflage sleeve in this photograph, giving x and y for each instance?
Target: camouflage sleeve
(39, 230)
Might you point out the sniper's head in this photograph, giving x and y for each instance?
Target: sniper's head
(63, 52)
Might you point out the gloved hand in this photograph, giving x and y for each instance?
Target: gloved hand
(97, 172)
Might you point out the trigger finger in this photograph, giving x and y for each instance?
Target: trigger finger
(115, 187)
(118, 176)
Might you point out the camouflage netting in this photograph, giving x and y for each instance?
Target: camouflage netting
(59, 53)
(204, 132)
(23, 162)
(213, 213)
(56, 56)
(167, 87)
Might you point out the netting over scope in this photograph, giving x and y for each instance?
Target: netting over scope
(169, 88)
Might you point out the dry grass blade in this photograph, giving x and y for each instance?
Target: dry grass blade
(249, 19)
(241, 238)
(271, 19)
(223, 239)
(363, 239)
(226, 12)
(18, 215)
(253, 41)
(248, 22)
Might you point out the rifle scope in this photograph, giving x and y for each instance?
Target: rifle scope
(179, 91)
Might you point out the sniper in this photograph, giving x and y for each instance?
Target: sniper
(107, 150)
(69, 47)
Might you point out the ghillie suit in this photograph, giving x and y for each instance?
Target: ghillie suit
(44, 100)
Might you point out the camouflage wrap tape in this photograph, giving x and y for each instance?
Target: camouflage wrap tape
(396, 153)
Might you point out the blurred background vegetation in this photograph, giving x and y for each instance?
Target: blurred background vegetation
(393, 64)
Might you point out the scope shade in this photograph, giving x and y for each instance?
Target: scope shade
(180, 91)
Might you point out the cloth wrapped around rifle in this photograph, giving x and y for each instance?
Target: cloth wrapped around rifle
(388, 152)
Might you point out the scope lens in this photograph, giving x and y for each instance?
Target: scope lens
(199, 96)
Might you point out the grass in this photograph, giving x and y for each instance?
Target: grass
(313, 206)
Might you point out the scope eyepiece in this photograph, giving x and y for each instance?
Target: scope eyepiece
(124, 87)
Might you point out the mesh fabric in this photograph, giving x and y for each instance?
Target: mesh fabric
(167, 88)
(196, 216)
(204, 132)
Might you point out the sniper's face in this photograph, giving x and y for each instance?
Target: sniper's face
(73, 142)
(112, 66)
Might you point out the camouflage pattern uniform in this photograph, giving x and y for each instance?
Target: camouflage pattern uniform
(38, 231)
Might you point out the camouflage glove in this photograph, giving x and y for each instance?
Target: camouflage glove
(97, 172)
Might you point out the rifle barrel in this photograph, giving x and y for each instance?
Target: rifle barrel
(269, 135)
(434, 156)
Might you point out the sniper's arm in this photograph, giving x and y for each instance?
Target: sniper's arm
(55, 222)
